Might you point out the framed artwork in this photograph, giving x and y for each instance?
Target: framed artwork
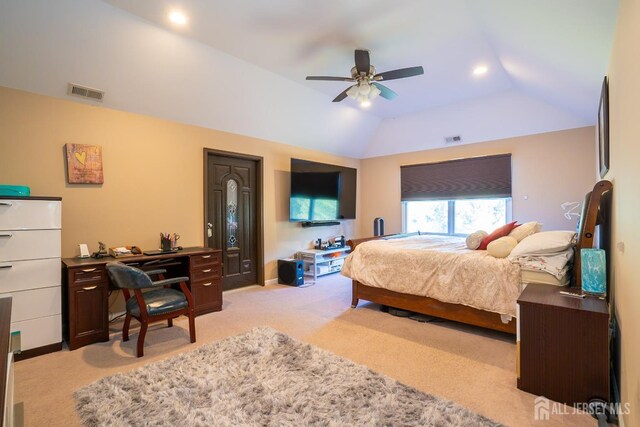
(603, 129)
(84, 164)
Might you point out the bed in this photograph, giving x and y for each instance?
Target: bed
(485, 298)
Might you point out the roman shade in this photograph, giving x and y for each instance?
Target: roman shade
(477, 177)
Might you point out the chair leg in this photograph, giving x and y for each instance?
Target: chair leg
(143, 332)
(170, 322)
(192, 327)
(125, 327)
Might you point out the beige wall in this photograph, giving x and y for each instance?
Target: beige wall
(548, 169)
(153, 175)
(624, 98)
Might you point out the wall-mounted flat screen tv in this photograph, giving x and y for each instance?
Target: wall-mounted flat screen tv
(321, 192)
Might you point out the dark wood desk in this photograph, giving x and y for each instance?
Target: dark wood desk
(85, 289)
(564, 345)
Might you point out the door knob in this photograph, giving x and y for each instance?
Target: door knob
(209, 229)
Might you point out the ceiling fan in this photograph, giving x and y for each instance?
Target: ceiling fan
(366, 80)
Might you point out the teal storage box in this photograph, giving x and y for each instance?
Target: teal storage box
(594, 271)
(15, 190)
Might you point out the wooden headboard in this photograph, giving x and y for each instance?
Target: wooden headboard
(595, 225)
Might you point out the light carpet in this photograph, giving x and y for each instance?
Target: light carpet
(262, 377)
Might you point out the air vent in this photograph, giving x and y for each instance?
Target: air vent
(452, 139)
(85, 92)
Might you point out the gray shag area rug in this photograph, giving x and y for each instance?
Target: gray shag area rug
(262, 378)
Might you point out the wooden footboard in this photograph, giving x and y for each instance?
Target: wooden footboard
(431, 307)
(426, 305)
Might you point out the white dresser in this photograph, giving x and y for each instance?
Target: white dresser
(30, 270)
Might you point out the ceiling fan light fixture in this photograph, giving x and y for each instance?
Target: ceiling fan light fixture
(374, 92)
(353, 92)
(364, 88)
(365, 104)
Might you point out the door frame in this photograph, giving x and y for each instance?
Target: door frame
(259, 202)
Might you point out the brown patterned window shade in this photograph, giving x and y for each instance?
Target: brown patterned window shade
(477, 177)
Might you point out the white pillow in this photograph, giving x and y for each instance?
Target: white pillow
(502, 247)
(525, 230)
(474, 239)
(543, 243)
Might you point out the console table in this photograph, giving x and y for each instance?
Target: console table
(318, 262)
(85, 290)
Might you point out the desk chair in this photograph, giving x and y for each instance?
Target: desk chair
(161, 303)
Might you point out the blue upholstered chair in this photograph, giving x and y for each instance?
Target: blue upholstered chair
(161, 303)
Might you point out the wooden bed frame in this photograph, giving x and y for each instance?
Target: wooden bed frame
(595, 212)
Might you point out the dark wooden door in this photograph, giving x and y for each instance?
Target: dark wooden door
(232, 188)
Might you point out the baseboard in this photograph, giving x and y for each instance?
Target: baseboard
(241, 289)
(271, 282)
(38, 351)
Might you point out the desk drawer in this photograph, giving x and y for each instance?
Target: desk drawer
(198, 261)
(30, 214)
(23, 275)
(29, 244)
(87, 275)
(36, 303)
(204, 273)
(207, 296)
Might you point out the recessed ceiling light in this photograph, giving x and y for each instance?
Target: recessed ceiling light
(178, 17)
(480, 70)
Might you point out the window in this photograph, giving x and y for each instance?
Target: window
(456, 217)
(457, 197)
(430, 216)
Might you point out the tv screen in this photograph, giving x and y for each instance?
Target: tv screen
(321, 192)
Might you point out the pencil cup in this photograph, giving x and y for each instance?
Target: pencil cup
(165, 244)
(594, 271)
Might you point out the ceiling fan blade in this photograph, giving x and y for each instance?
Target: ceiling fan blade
(399, 74)
(362, 61)
(331, 79)
(342, 95)
(385, 92)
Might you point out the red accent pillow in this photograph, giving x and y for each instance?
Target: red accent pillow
(496, 234)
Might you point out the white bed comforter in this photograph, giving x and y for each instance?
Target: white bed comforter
(438, 267)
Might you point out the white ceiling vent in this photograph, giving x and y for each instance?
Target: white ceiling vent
(452, 139)
(85, 92)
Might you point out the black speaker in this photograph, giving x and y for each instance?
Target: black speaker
(290, 272)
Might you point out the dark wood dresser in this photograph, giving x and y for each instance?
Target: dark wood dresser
(563, 345)
(85, 289)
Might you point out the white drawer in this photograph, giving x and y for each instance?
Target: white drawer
(31, 244)
(30, 214)
(39, 332)
(32, 274)
(34, 304)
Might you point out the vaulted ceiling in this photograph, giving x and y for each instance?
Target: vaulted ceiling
(240, 65)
